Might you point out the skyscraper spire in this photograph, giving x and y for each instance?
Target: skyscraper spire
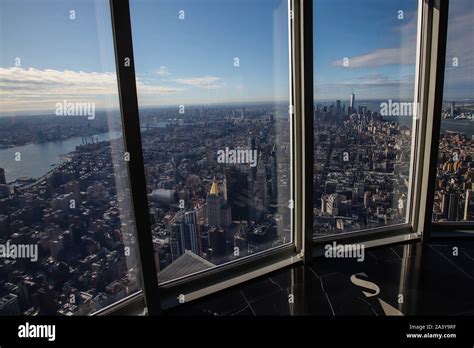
(214, 188)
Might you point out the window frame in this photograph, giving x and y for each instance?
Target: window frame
(157, 296)
(431, 47)
(453, 228)
(128, 100)
(433, 70)
(430, 60)
(407, 228)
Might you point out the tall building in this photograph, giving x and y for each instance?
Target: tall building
(469, 206)
(262, 189)
(191, 235)
(217, 243)
(184, 234)
(253, 170)
(2, 177)
(214, 203)
(352, 103)
(238, 194)
(274, 178)
(339, 111)
(226, 215)
(453, 207)
(176, 240)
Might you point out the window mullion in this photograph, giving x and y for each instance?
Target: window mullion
(431, 98)
(122, 34)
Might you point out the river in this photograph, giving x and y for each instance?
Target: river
(37, 159)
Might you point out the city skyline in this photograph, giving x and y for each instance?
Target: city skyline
(381, 55)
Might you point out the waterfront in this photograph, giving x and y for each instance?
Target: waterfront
(38, 159)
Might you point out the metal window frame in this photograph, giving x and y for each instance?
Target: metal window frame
(300, 250)
(432, 80)
(455, 228)
(158, 296)
(431, 46)
(307, 114)
(122, 36)
(430, 59)
(405, 231)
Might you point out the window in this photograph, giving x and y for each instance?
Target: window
(67, 243)
(454, 196)
(222, 110)
(364, 113)
(213, 90)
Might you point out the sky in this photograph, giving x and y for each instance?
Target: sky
(191, 60)
(379, 49)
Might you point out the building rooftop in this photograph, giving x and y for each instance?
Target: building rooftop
(187, 263)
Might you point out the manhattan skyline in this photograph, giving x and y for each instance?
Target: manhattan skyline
(187, 61)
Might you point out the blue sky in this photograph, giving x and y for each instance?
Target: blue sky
(197, 53)
(191, 61)
(379, 48)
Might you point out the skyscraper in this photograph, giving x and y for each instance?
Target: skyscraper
(192, 241)
(238, 194)
(352, 103)
(338, 107)
(2, 177)
(253, 170)
(274, 171)
(262, 189)
(214, 203)
(184, 234)
(216, 242)
(176, 240)
(453, 207)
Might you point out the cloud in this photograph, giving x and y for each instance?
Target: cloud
(162, 71)
(459, 80)
(29, 89)
(367, 87)
(378, 80)
(405, 54)
(202, 82)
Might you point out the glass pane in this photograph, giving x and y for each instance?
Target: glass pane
(454, 199)
(364, 113)
(213, 92)
(67, 244)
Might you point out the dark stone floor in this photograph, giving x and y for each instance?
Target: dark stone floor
(406, 279)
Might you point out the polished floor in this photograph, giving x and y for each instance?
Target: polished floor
(435, 279)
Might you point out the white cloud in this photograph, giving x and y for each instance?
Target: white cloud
(367, 87)
(460, 48)
(458, 80)
(404, 54)
(30, 89)
(202, 82)
(162, 71)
